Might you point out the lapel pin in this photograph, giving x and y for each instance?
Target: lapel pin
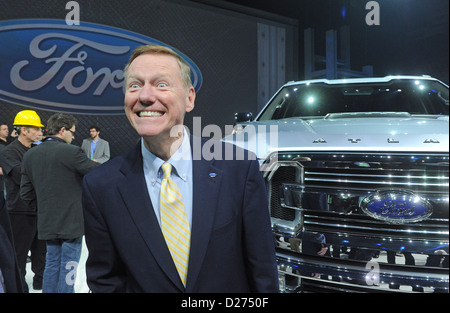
(212, 176)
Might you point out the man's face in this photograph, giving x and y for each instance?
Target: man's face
(4, 131)
(32, 133)
(68, 134)
(93, 133)
(156, 99)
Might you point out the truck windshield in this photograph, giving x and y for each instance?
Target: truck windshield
(316, 100)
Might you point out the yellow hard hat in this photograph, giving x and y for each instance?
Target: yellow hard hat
(27, 118)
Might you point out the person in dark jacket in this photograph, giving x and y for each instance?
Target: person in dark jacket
(51, 180)
(10, 277)
(23, 218)
(4, 132)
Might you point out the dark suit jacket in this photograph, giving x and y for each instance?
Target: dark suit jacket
(232, 246)
(8, 260)
(51, 179)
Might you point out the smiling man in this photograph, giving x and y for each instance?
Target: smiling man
(157, 100)
(158, 220)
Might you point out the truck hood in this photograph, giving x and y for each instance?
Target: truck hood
(411, 134)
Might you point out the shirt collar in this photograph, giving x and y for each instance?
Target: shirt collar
(180, 160)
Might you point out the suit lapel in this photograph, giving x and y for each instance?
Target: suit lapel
(134, 193)
(206, 181)
(89, 149)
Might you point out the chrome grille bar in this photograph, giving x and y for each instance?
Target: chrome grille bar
(381, 176)
(314, 222)
(341, 180)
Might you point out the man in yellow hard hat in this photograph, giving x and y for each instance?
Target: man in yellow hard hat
(23, 218)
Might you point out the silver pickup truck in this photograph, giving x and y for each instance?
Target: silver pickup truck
(357, 174)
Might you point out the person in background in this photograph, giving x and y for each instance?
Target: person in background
(4, 132)
(11, 280)
(23, 218)
(14, 134)
(52, 174)
(96, 148)
(159, 219)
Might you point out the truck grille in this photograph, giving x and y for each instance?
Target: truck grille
(332, 218)
(422, 179)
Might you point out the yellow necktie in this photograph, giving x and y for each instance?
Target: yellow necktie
(174, 223)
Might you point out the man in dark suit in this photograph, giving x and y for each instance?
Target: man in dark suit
(51, 181)
(229, 240)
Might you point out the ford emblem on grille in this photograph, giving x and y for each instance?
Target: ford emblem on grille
(396, 206)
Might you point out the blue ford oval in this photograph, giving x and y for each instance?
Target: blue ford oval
(78, 69)
(396, 206)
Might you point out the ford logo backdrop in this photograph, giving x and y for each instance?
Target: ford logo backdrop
(46, 64)
(396, 206)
